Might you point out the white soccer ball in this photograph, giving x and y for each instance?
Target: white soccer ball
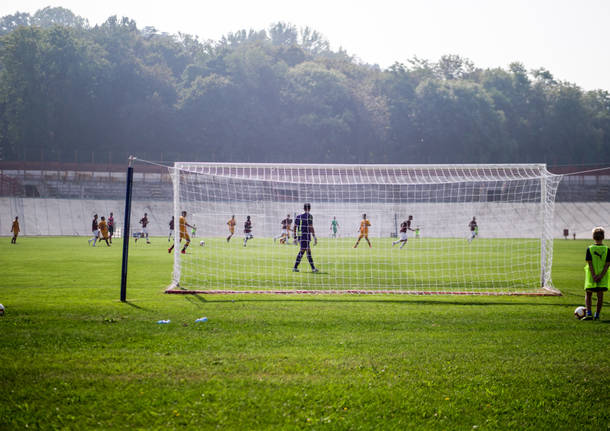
(580, 312)
(1, 310)
(201, 243)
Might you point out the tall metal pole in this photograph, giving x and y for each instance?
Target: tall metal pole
(126, 229)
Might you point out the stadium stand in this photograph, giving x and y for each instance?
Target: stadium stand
(53, 198)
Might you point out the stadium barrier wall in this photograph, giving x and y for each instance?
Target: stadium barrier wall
(72, 217)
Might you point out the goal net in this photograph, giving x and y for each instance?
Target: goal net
(509, 251)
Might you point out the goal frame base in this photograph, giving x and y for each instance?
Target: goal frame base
(177, 290)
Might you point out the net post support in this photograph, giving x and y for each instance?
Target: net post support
(126, 229)
(175, 176)
(543, 239)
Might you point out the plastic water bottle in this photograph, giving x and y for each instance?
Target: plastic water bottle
(201, 319)
(162, 322)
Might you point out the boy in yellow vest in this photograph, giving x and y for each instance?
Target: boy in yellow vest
(596, 273)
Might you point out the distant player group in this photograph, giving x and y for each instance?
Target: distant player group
(302, 232)
(102, 230)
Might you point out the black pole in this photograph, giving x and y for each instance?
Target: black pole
(126, 229)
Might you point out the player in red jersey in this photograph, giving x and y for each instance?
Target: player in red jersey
(474, 229)
(405, 226)
(171, 229)
(247, 230)
(94, 230)
(144, 233)
(110, 227)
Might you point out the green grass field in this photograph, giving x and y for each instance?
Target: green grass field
(425, 264)
(72, 356)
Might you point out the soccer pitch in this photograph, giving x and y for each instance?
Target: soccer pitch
(72, 356)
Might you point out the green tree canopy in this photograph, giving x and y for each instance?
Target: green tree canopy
(278, 94)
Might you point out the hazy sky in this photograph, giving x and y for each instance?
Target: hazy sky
(570, 38)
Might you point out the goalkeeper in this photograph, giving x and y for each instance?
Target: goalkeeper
(303, 231)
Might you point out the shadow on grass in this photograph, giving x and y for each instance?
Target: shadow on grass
(196, 299)
(406, 301)
(139, 307)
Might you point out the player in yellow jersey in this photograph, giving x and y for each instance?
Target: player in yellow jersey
(364, 231)
(231, 223)
(15, 230)
(288, 228)
(183, 234)
(103, 227)
(285, 232)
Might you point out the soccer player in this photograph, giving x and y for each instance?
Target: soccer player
(474, 229)
(334, 227)
(94, 230)
(364, 231)
(144, 233)
(15, 230)
(247, 230)
(303, 231)
(171, 229)
(285, 232)
(404, 227)
(103, 227)
(110, 227)
(183, 234)
(231, 223)
(596, 273)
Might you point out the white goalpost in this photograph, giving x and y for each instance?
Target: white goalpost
(511, 254)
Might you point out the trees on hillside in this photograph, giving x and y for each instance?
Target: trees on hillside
(275, 95)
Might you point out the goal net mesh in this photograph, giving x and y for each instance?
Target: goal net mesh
(511, 252)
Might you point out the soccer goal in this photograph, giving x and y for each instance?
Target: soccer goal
(509, 252)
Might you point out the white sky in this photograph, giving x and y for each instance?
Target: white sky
(570, 38)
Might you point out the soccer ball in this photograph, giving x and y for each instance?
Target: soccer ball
(580, 312)
(1, 310)
(201, 243)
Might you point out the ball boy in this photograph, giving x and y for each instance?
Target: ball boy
(596, 273)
